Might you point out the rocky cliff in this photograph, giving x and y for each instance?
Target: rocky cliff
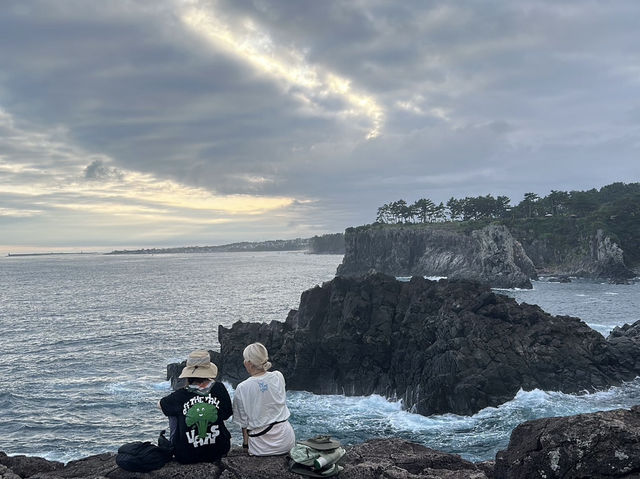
(595, 256)
(597, 445)
(441, 346)
(489, 255)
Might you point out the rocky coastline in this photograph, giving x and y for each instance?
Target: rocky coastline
(597, 445)
(491, 254)
(441, 346)
(598, 257)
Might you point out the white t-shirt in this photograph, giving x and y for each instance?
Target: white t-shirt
(260, 401)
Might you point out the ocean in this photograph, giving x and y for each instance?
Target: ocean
(85, 341)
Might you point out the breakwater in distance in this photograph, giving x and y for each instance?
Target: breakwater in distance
(47, 254)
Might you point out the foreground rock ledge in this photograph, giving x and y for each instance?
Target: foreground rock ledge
(597, 445)
(441, 346)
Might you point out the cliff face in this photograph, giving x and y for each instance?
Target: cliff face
(489, 255)
(332, 243)
(440, 346)
(596, 256)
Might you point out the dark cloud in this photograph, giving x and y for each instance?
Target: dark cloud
(97, 170)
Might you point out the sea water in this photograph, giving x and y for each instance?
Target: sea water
(85, 341)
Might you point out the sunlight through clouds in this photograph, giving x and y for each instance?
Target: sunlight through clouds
(43, 172)
(247, 42)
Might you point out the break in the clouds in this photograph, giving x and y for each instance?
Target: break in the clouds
(199, 122)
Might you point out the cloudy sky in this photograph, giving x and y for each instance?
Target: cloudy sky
(130, 123)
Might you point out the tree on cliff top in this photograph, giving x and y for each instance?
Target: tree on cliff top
(615, 208)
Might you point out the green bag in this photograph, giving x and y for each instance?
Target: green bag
(309, 461)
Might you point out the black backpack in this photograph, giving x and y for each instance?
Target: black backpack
(142, 456)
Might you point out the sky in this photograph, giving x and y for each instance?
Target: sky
(137, 124)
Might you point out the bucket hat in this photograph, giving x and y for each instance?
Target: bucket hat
(199, 365)
(321, 443)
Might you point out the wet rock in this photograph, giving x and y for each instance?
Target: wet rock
(559, 279)
(440, 346)
(598, 445)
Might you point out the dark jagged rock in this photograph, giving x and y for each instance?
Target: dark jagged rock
(396, 458)
(371, 460)
(442, 347)
(626, 342)
(599, 445)
(489, 255)
(26, 466)
(596, 445)
(559, 279)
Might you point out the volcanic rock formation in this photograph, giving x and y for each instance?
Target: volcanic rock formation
(603, 444)
(441, 346)
(488, 255)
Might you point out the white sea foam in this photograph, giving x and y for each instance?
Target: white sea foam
(476, 437)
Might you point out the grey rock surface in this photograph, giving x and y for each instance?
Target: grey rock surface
(599, 445)
(489, 255)
(396, 458)
(595, 257)
(392, 458)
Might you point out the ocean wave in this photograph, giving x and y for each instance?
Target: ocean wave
(477, 438)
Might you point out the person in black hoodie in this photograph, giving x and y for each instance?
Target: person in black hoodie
(197, 413)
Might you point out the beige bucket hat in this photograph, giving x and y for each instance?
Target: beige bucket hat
(199, 365)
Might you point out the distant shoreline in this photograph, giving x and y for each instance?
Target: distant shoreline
(332, 243)
(47, 254)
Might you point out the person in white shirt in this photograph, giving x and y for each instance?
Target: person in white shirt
(259, 406)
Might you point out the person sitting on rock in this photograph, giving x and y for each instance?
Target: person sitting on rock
(198, 411)
(259, 406)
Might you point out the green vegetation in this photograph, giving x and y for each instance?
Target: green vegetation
(562, 219)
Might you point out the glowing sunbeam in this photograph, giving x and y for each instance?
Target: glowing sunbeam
(255, 47)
